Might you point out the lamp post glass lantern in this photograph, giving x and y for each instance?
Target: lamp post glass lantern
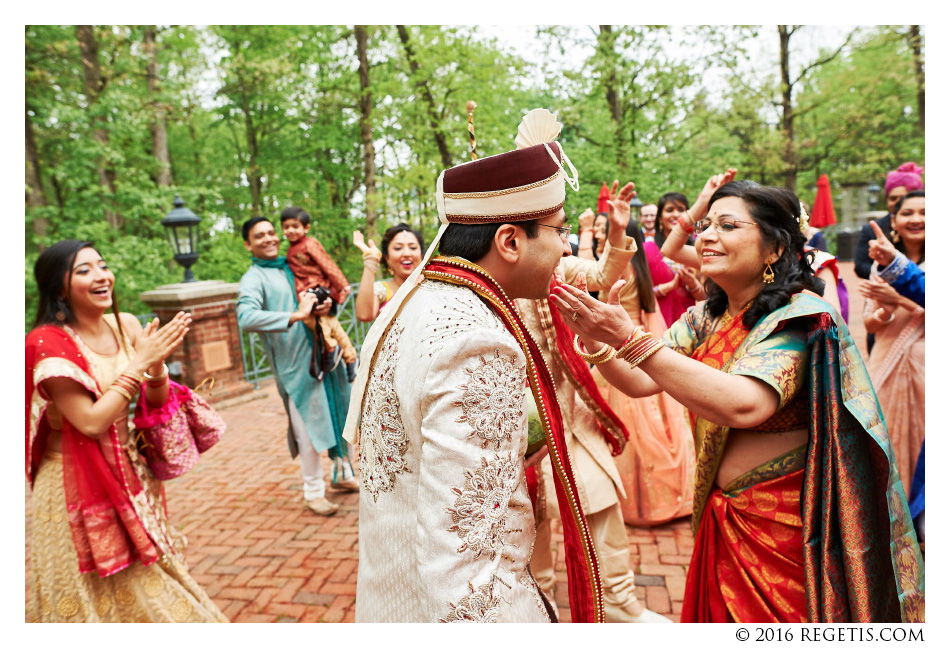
(636, 203)
(181, 226)
(873, 192)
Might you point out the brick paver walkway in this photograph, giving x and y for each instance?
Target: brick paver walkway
(263, 557)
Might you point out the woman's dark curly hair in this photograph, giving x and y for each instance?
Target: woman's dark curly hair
(776, 210)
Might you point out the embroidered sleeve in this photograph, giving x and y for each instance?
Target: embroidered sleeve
(780, 360)
(688, 331)
(474, 433)
(601, 274)
(379, 289)
(908, 278)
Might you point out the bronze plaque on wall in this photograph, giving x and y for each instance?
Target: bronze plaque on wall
(216, 355)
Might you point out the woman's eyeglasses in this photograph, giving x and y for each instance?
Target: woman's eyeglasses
(563, 232)
(722, 226)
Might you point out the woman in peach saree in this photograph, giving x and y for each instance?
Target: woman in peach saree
(896, 363)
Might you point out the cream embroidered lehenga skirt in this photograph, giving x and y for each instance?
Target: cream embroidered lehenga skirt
(160, 592)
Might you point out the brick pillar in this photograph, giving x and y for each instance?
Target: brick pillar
(213, 345)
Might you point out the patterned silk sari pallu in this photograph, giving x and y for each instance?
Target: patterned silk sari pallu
(824, 537)
(584, 583)
(105, 500)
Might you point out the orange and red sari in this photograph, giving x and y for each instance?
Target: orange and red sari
(823, 533)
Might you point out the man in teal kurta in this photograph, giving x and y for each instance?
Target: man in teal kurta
(268, 305)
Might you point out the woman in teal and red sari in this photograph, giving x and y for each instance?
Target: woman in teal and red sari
(798, 509)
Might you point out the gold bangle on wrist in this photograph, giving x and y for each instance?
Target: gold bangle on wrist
(879, 312)
(121, 391)
(638, 347)
(160, 376)
(606, 353)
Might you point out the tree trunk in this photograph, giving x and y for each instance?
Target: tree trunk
(427, 96)
(159, 132)
(366, 132)
(605, 43)
(253, 172)
(35, 196)
(916, 46)
(788, 116)
(94, 82)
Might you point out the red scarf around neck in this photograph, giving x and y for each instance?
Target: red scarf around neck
(583, 570)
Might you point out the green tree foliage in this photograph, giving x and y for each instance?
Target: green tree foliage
(261, 117)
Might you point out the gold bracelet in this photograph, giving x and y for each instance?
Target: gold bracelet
(606, 353)
(370, 262)
(160, 376)
(637, 335)
(638, 348)
(877, 316)
(121, 391)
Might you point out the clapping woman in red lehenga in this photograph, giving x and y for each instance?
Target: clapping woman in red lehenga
(102, 547)
(798, 509)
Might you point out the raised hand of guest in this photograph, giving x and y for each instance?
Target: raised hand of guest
(618, 209)
(368, 249)
(880, 248)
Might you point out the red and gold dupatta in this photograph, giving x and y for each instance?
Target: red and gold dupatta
(98, 480)
(584, 584)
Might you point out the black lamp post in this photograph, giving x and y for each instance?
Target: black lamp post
(636, 203)
(873, 192)
(181, 226)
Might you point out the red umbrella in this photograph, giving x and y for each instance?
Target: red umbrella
(823, 213)
(602, 199)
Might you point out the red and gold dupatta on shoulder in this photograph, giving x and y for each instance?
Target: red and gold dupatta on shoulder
(583, 571)
(101, 488)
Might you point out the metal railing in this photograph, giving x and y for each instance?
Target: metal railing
(256, 366)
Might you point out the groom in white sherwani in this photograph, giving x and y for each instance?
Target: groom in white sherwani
(439, 410)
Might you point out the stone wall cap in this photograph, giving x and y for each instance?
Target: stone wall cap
(189, 292)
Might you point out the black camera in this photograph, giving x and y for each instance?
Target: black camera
(321, 293)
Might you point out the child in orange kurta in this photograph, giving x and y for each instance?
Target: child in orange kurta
(312, 267)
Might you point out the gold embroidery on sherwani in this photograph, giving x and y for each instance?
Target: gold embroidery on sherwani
(557, 461)
(478, 606)
(493, 400)
(481, 505)
(384, 445)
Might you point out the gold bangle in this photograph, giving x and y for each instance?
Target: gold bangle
(637, 335)
(639, 347)
(121, 391)
(606, 353)
(160, 376)
(877, 316)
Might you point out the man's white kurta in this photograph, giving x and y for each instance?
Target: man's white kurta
(446, 525)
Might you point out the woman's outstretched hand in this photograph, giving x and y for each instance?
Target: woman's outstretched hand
(367, 249)
(591, 319)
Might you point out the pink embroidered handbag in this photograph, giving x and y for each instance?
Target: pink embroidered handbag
(170, 437)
